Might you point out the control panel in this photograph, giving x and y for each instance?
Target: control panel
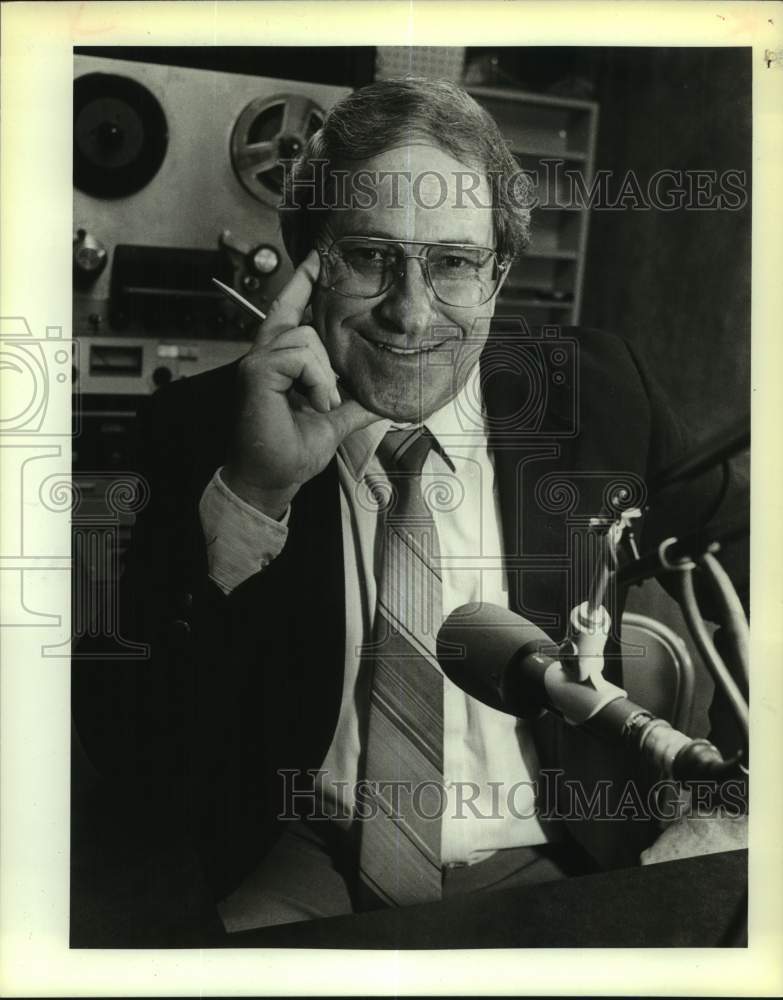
(177, 179)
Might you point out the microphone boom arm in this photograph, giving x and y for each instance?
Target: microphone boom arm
(512, 666)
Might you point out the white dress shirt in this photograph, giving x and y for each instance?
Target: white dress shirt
(489, 759)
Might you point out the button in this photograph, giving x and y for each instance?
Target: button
(186, 601)
(161, 375)
(179, 632)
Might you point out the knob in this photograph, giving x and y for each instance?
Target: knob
(162, 375)
(89, 256)
(265, 259)
(228, 241)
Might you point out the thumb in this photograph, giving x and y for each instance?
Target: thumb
(350, 416)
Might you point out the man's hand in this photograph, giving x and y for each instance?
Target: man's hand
(292, 418)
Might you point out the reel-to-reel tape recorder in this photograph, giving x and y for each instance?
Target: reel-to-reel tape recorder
(176, 180)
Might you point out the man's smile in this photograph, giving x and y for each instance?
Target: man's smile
(424, 347)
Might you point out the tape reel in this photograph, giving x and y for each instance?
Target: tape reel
(120, 135)
(268, 130)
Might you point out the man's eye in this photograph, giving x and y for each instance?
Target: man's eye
(455, 262)
(367, 256)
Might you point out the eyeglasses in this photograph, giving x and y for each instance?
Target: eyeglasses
(364, 267)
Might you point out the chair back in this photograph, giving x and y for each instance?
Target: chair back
(658, 671)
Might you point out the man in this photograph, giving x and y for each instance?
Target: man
(292, 607)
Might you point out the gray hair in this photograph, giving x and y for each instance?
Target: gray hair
(392, 113)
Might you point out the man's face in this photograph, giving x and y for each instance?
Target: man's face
(364, 337)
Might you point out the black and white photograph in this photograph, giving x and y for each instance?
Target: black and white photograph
(404, 495)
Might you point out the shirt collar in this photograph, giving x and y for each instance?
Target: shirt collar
(358, 449)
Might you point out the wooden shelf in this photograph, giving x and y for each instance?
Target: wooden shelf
(528, 97)
(538, 127)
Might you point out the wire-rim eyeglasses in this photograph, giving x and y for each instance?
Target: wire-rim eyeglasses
(466, 274)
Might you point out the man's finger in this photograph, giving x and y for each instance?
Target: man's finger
(298, 365)
(305, 336)
(288, 308)
(349, 417)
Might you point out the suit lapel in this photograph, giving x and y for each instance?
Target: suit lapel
(530, 436)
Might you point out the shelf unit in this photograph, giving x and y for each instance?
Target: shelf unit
(552, 138)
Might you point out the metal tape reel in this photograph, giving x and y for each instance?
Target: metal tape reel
(268, 130)
(120, 135)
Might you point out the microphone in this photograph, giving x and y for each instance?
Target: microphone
(512, 665)
(497, 657)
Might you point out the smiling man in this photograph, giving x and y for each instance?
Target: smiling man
(319, 508)
(386, 313)
(401, 294)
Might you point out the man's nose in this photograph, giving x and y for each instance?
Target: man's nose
(409, 305)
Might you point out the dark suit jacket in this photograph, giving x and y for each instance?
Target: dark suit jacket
(237, 688)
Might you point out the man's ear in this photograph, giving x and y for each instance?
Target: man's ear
(503, 275)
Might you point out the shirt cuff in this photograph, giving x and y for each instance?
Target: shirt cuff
(241, 540)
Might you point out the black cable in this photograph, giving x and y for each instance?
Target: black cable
(716, 450)
(689, 547)
(722, 492)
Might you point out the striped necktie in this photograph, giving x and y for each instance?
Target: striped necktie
(399, 857)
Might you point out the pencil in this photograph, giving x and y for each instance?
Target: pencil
(240, 301)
